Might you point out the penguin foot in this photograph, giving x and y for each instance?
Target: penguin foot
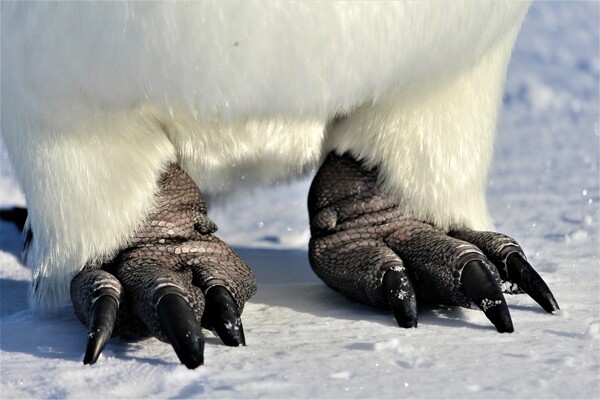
(364, 246)
(174, 278)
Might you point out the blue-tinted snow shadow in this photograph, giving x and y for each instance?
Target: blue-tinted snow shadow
(13, 296)
(285, 279)
(13, 292)
(60, 337)
(10, 238)
(534, 308)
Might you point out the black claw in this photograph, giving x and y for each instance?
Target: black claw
(221, 315)
(401, 297)
(523, 274)
(102, 323)
(178, 321)
(481, 287)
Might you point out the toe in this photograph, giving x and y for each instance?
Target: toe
(221, 315)
(166, 302)
(180, 325)
(354, 264)
(227, 283)
(509, 258)
(451, 271)
(96, 296)
(481, 287)
(102, 324)
(401, 296)
(523, 274)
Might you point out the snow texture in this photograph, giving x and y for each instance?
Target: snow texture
(304, 340)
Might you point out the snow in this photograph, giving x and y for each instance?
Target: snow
(304, 340)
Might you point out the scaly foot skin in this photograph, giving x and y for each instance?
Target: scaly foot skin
(174, 277)
(365, 247)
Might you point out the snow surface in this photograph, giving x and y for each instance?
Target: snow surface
(304, 340)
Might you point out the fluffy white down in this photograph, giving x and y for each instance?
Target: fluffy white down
(98, 97)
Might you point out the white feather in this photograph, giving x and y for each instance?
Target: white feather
(98, 97)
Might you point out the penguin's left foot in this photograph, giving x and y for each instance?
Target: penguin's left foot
(174, 278)
(364, 246)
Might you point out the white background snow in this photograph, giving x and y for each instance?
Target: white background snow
(304, 340)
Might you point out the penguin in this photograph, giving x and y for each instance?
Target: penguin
(120, 118)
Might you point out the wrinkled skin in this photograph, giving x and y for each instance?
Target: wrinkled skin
(365, 247)
(176, 276)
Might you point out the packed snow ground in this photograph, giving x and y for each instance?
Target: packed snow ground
(304, 340)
